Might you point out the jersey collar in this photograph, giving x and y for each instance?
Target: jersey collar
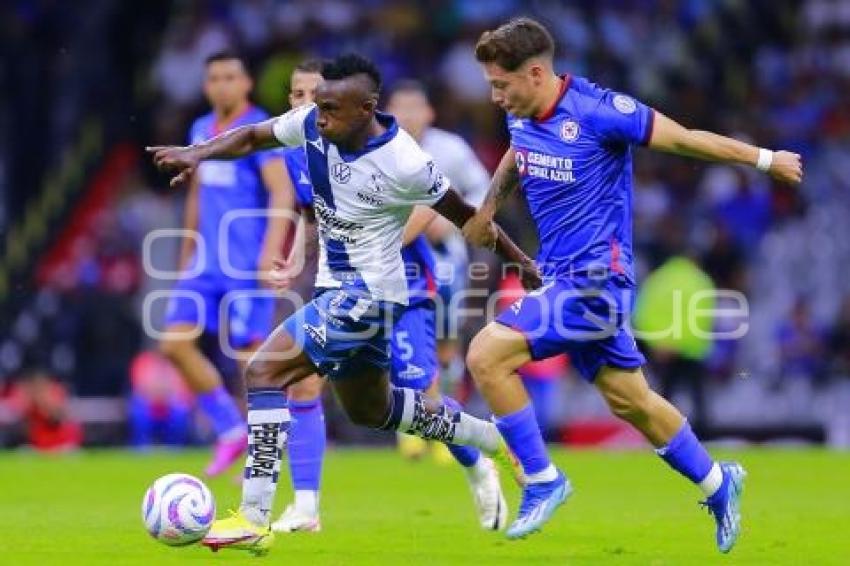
(565, 85)
(387, 121)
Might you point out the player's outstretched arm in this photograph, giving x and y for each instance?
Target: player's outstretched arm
(480, 229)
(458, 211)
(183, 160)
(671, 137)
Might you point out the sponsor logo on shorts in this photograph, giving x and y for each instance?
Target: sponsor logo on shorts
(411, 372)
(319, 334)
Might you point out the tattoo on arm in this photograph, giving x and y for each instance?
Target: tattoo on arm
(505, 180)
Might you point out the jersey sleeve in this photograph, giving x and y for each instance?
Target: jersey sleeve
(288, 128)
(621, 118)
(425, 185)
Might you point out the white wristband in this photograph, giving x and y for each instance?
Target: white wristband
(764, 160)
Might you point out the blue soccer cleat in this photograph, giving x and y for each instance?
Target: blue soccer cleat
(539, 501)
(725, 505)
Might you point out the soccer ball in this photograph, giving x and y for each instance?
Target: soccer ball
(178, 509)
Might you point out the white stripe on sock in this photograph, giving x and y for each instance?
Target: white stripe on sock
(712, 482)
(547, 474)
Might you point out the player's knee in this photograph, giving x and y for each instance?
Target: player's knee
(480, 362)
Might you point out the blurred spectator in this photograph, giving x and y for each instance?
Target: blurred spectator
(801, 344)
(839, 342)
(40, 401)
(674, 319)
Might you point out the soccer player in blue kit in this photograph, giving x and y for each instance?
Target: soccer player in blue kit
(571, 152)
(367, 176)
(225, 209)
(413, 354)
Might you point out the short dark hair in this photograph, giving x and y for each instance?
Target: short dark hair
(226, 55)
(512, 44)
(349, 65)
(309, 66)
(409, 85)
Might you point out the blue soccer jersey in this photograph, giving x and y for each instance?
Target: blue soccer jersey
(229, 190)
(232, 225)
(296, 165)
(575, 167)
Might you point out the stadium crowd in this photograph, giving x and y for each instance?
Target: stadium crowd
(772, 72)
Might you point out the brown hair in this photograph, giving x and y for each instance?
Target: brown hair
(309, 66)
(512, 44)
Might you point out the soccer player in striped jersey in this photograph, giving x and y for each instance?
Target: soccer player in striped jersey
(367, 176)
(413, 353)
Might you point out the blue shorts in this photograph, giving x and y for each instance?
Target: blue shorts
(585, 318)
(414, 347)
(344, 332)
(197, 300)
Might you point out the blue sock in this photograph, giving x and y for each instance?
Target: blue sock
(221, 410)
(686, 455)
(307, 439)
(466, 456)
(521, 432)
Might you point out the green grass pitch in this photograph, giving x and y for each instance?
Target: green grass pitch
(628, 508)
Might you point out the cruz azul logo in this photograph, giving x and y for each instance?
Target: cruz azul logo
(569, 130)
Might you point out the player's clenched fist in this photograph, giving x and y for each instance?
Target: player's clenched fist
(786, 167)
(177, 159)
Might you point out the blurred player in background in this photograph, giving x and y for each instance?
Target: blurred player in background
(367, 176)
(408, 102)
(413, 357)
(235, 250)
(571, 151)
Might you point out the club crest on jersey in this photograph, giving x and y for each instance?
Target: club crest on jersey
(624, 104)
(341, 172)
(569, 130)
(521, 162)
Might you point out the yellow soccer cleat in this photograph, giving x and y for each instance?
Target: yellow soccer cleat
(440, 454)
(238, 533)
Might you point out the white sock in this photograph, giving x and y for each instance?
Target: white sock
(307, 501)
(267, 434)
(547, 474)
(712, 482)
(471, 431)
(453, 427)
